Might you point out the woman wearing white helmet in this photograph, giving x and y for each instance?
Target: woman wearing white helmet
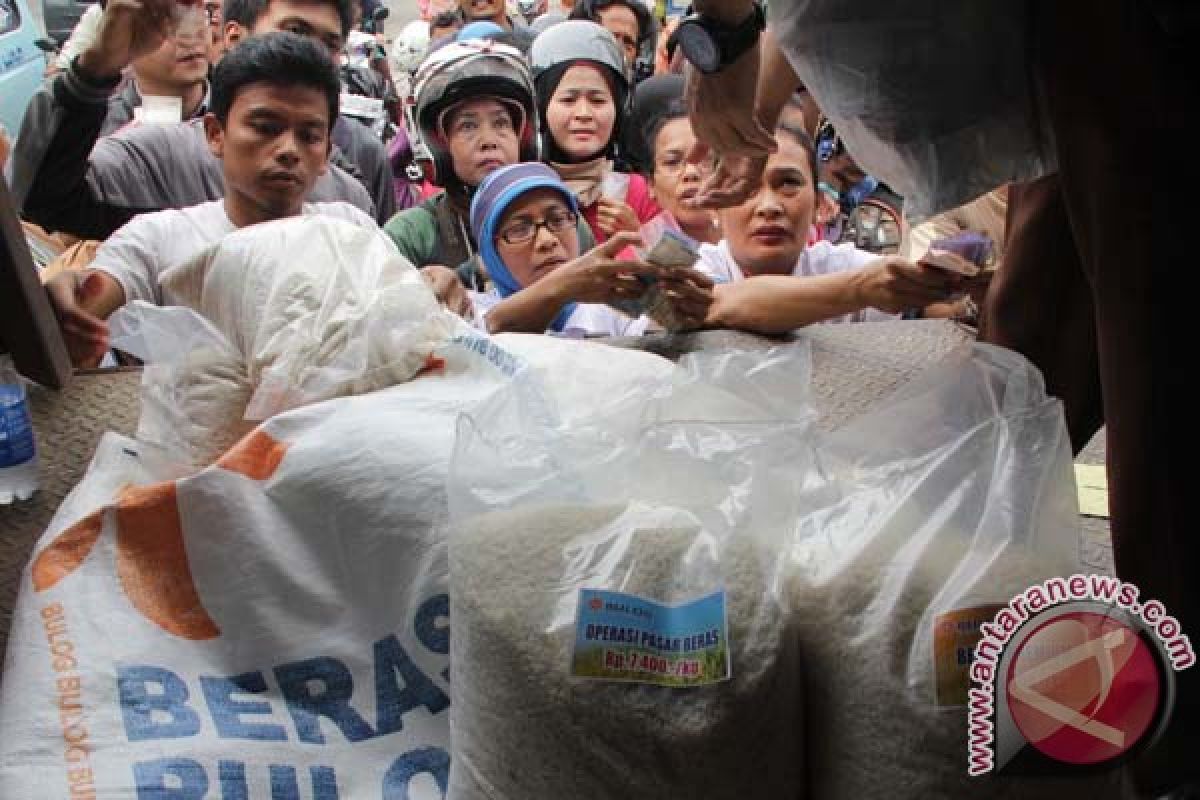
(582, 90)
(474, 112)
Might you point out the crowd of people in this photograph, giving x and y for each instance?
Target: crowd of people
(254, 131)
(533, 154)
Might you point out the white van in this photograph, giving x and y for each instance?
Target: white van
(22, 62)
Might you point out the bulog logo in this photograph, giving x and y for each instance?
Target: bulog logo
(152, 563)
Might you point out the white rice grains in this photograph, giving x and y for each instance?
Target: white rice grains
(524, 729)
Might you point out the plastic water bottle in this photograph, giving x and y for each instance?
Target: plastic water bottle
(18, 457)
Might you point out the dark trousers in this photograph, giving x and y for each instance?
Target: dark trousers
(1087, 293)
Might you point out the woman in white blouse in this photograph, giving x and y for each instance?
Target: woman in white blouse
(768, 281)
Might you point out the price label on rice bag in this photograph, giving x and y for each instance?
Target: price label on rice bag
(955, 635)
(623, 637)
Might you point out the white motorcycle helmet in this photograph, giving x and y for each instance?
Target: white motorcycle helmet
(460, 71)
(409, 47)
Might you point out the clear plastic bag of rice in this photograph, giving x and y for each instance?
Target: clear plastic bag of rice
(618, 623)
(838, 556)
(949, 500)
(515, 657)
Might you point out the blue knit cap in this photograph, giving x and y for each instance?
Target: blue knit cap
(480, 29)
(495, 194)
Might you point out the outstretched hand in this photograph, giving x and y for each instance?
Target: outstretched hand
(731, 183)
(598, 276)
(721, 107)
(128, 30)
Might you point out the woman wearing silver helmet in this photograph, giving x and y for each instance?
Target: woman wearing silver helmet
(474, 112)
(582, 90)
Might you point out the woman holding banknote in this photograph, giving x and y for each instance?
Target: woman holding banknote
(523, 217)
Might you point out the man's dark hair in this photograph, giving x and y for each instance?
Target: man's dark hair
(590, 10)
(247, 12)
(276, 59)
(447, 19)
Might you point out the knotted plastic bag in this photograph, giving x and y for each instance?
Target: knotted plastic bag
(275, 317)
(318, 308)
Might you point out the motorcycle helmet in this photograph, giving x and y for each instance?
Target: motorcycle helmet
(652, 100)
(546, 21)
(877, 222)
(410, 46)
(529, 9)
(562, 47)
(462, 71)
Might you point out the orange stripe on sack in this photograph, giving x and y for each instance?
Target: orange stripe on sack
(64, 555)
(256, 456)
(152, 562)
(432, 364)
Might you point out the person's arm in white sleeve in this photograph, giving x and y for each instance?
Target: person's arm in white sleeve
(125, 268)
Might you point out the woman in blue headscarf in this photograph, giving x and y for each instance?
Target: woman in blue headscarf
(524, 219)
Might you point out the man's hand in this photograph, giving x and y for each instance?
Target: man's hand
(128, 30)
(734, 114)
(894, 285)
(448, 289)
(733, 182)
(613, 216)
(86, 335)
(721, 107)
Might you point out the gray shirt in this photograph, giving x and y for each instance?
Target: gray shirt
(64, 177)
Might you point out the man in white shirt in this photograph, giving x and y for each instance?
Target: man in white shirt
(768, 280)
(274, 100)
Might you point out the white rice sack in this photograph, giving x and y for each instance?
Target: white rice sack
(313, 562)
(317, 307)
(524, 729)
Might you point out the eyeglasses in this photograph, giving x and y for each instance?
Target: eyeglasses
(674, 166)
(524, 231)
